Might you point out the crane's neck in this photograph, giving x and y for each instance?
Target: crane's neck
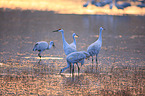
(63, 39)
(100, 35)
(50, 45)
(68, 65)
(74, 40)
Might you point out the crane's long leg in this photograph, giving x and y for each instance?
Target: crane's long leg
(96, 60)
(39, 54)
(73, 69)
(92, 64)
(70, 68)
(39, 61)
(96, 63)
(78, 68)
(92, 59)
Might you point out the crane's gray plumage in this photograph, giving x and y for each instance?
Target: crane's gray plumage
(67, 48)
(87, 56)
(75, 57)
(95, 47)
(73, 44)
(41, 46)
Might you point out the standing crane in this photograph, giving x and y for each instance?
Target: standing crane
(67, 48)
(95, 47)
(75, 57)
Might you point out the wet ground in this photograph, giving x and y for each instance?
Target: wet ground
(121, 62)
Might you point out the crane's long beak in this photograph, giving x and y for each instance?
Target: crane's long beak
(55, 31)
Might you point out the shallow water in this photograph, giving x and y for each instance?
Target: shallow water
(121, 61)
